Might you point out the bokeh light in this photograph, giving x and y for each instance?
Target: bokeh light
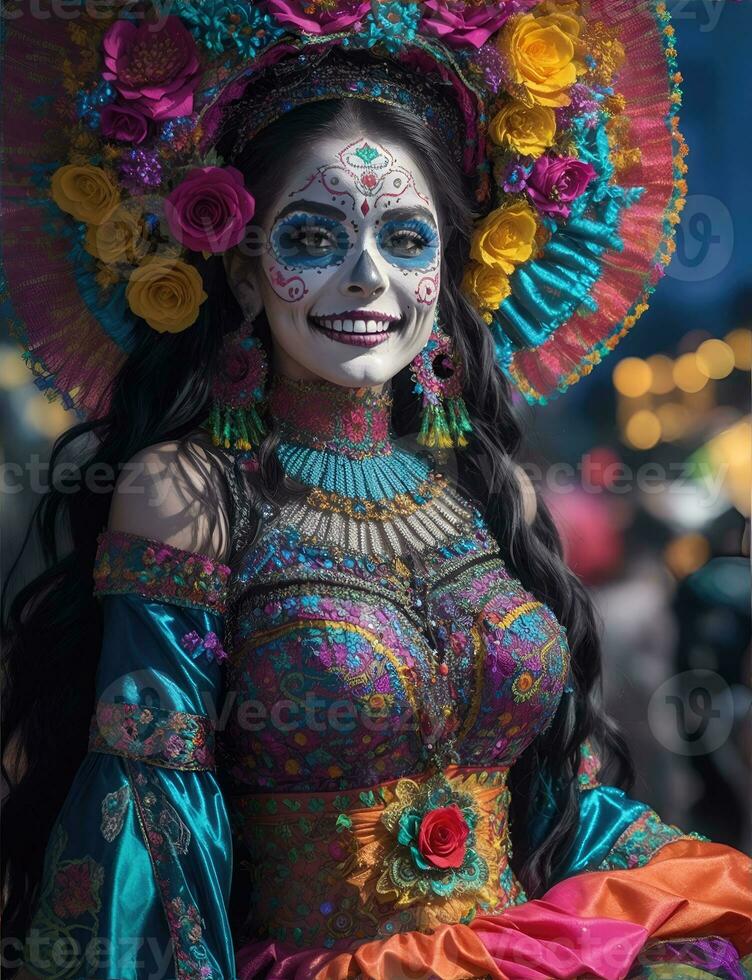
(632, 377)
(643, 430)
(687, 374)
(740, 342)
(662, 369)
(715, 359)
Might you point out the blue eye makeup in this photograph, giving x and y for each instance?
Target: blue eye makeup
(310, 241)
(411, 243)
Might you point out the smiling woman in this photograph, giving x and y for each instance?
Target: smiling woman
(332, 693)
(350, 272)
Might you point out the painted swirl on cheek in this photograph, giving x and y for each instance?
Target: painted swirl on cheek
(288, 288)
(427, 290)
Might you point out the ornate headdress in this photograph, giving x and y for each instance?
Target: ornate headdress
(563, 112)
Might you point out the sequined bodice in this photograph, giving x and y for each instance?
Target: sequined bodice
(353, 668)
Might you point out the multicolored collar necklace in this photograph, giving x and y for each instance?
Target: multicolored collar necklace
(339, 440)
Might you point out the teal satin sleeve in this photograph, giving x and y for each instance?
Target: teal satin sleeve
(614, 830)
(138, 867)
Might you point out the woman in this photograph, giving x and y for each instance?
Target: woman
(345, 688)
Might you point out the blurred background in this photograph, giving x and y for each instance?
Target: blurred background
(647, 465)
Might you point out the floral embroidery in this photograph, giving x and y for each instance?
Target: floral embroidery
(642, 839)
(68, 910)
(210, 645)
(167, 839)
(157, 736)
(590, 766)
(114, 808)
(130, 563)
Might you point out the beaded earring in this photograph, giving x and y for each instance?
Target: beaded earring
(238, 392)
(438, 376)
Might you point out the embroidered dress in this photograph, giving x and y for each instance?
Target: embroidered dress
(373, 671)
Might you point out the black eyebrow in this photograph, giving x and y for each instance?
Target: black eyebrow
(315, 207)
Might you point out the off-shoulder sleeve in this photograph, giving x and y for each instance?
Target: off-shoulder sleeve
(138, 867)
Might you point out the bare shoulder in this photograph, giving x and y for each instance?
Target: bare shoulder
(175, 494)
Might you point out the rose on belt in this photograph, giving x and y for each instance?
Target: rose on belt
(442, 837)
(435, 854)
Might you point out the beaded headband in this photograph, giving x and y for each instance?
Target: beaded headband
(318, 75)
(562, 112)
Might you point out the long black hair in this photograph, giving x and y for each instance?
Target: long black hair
(52, 630)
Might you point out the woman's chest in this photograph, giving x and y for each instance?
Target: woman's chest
(348, 671)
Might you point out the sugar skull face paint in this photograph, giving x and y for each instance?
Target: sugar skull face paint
(350, 272)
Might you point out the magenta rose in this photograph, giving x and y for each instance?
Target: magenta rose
(156, 71)
(462, 24)
(209, 210)
(301, 16)
(442, 837)
(121, 122)
(557, 181)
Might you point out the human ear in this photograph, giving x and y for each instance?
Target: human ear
(242, 276)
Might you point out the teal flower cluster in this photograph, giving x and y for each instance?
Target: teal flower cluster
(218, 25)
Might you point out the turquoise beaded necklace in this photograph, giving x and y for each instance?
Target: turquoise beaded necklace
(339, 440)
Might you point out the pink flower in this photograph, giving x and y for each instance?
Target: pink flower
(209, 210)
(121, 122)
(156, 71)
(303, 16)
(557, 181)
(468, 24)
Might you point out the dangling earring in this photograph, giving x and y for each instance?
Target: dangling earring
(438, 375)
(238, 391)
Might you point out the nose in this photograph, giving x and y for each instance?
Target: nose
(365, 278)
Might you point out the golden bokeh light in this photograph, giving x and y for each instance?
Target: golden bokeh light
(662, 370)
(687, 374)
(675, 419)
(643, 430)
(715, 359)
(687, 554)
(48, 418)
(740, 342)
(632, 377)
(13, 370)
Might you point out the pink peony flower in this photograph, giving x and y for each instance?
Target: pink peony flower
(466, 24)
(155, 70)
(309, 18)
(209, 210)
(121, 122)
(557, 181)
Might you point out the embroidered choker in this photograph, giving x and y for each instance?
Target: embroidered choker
(352, 422)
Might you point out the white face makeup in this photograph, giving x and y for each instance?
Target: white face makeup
(349, 277)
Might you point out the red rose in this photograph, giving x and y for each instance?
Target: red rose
(442, 837)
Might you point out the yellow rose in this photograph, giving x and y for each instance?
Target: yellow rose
(541, 54)
(486, 285)
(117, 239)
(167, 293)
(505, 238)
(86, 192)
(529, 130)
